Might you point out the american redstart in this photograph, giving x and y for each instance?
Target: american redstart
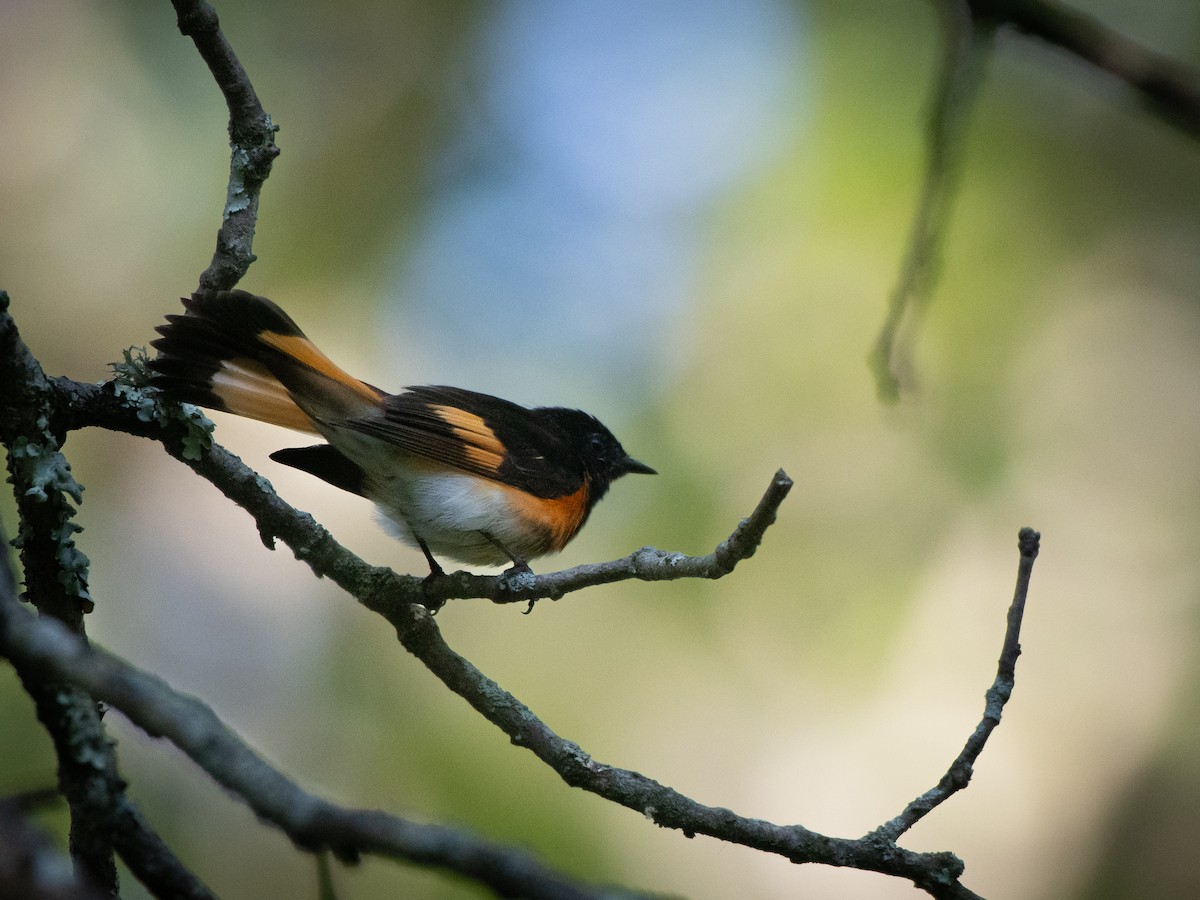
(454, 472)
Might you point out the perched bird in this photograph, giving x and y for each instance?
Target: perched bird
(454, 472)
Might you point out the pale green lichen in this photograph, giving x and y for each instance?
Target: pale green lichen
(237, 198)
(131, 383)
(44, 469)
(47, 476)
(134, 370)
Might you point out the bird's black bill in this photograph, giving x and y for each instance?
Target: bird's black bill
(632, 467)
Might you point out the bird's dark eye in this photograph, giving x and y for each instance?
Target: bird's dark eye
(597, 441)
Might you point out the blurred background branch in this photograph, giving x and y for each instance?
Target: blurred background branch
(1168, 88)
(967, 43)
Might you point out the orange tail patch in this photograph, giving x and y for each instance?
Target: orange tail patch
(246, 388)
(242, 354)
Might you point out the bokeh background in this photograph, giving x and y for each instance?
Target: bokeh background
(684, 217)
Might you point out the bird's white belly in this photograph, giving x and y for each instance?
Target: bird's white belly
(453, 513)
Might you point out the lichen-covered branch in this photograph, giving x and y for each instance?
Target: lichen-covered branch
(251, 142)
(45, 489)
(103, 820)
(56, 583)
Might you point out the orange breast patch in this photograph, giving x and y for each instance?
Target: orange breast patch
(560, 517)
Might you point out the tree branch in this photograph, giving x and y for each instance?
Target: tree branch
(646, 564)
(56, 582)
(311, 822)
(251, 141)
(102, 817)
(958, 776)
(55, 569)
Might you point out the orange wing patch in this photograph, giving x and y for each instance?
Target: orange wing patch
(301, 349)
(482, 445)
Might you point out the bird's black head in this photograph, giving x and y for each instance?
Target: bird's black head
(602, 455)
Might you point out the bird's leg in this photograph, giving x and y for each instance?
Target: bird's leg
(518, 565)
(435, 569)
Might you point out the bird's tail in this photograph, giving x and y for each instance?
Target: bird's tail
(242, 354)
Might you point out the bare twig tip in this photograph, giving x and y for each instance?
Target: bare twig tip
(1029, 542)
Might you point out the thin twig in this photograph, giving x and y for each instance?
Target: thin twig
(646, 564)
(958, 776)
